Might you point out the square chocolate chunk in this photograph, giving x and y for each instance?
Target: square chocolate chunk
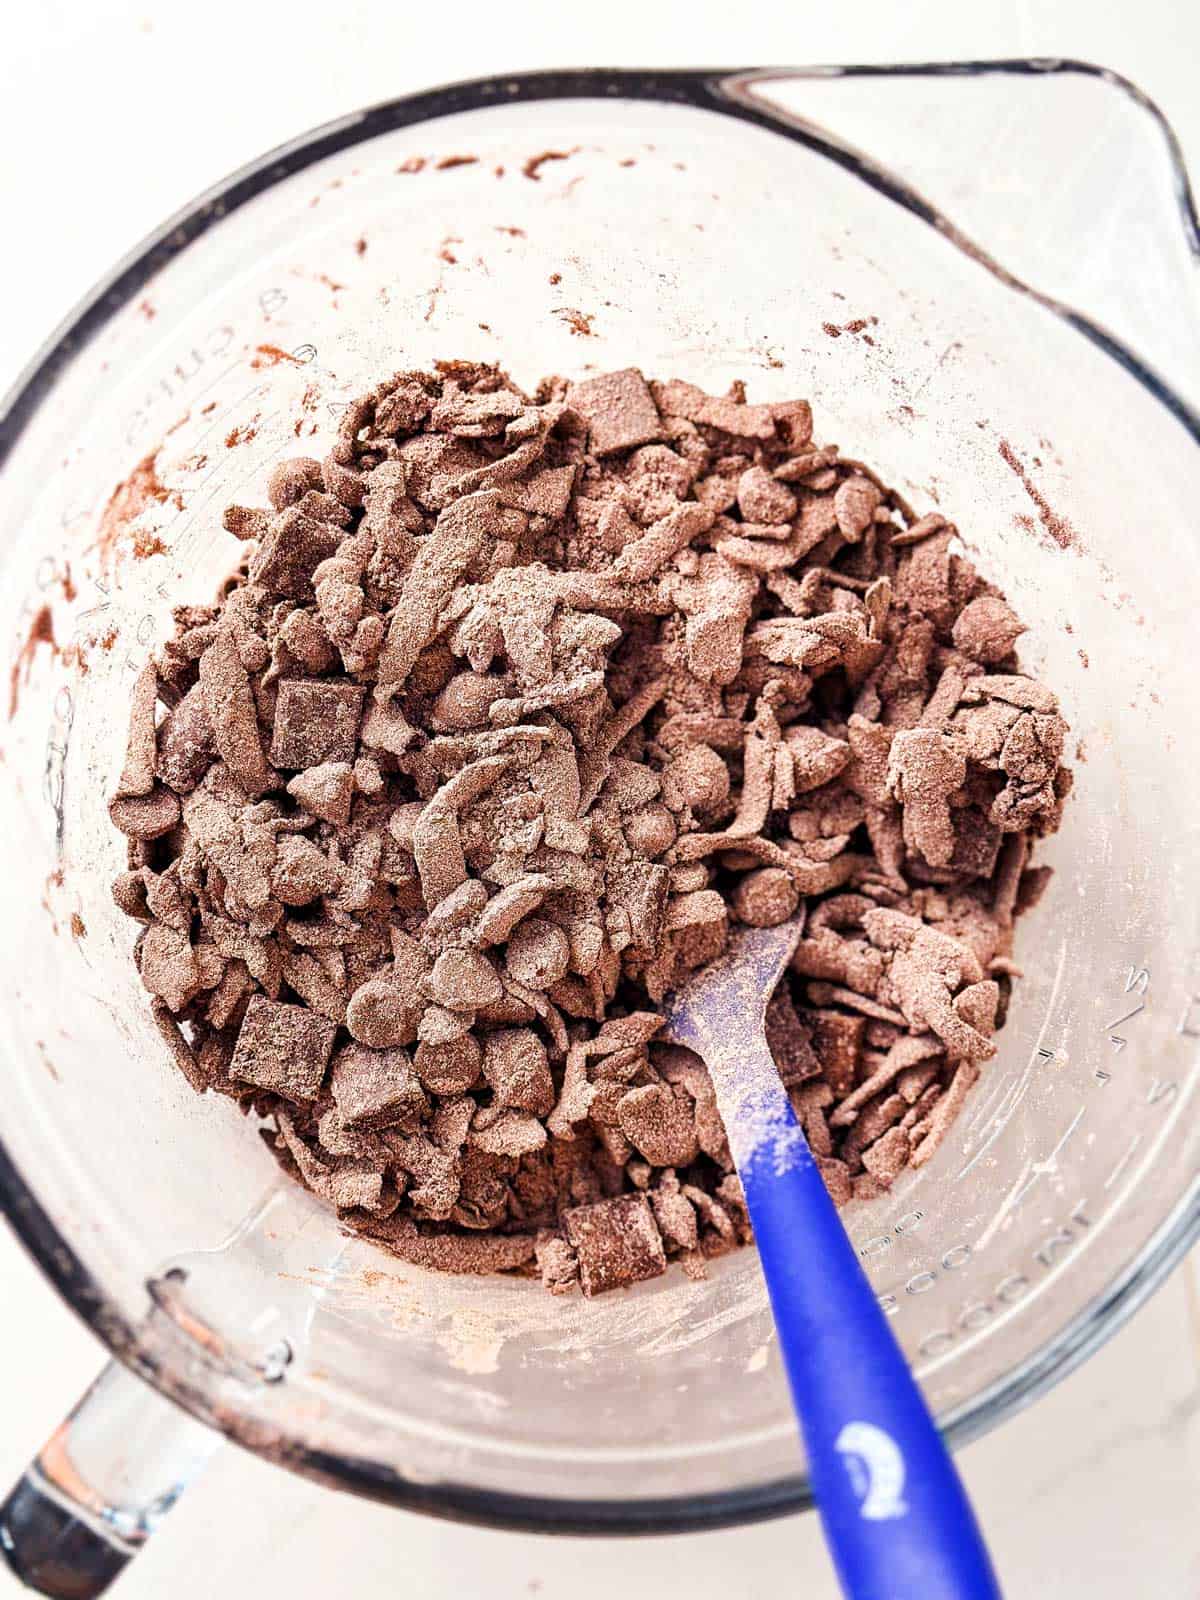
(291, 551)
(789, 1041)
(618, 408)
(838, 1042)
(283, 1048)
(617, 1242)
(315, 722)
(376, 1088)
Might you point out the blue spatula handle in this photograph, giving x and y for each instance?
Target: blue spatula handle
(896, 1517)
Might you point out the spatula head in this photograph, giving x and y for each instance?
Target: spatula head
(727, 1000)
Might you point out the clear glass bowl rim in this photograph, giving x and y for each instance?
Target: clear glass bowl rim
(706, 89)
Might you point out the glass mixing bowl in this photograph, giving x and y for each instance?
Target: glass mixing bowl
(984, 279)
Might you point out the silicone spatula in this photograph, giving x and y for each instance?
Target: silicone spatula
(896, 1516)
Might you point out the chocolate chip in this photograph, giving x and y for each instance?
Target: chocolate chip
(538, 953)
(766, 897)
(450, 1067)
(383, 1014)
(146, 816)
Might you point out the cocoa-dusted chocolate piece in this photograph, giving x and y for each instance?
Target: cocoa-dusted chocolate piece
(187, 745)
(837, 1040)
(376, 1088)
(229, 706)
(515, 706)
(326, 790)
(283, 1048)
(292, 550)
(619, 410)
(616, 1243)
(145, 816)
(315, 723)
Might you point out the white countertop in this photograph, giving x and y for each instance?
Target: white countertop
(112, 116)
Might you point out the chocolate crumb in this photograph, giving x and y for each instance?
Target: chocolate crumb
(41, 631)
(1059, 529)
(533, 167)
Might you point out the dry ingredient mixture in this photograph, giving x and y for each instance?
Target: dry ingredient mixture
(512, 707)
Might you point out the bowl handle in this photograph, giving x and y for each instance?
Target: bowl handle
(1062, 178)
(222, 1332)
(100, 1486)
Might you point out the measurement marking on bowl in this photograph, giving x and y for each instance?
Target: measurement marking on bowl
(1002, 1211)
(1014, 1095)
(210, 347)
(1049, 1164)
(1123, 1162)
(974, 1315)
(1189, 1022)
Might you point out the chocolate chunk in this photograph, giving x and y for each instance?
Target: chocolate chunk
(837, 1040)
(375, 1088)
(619, 410)
(326, 791)
(283, 1048)
(557, 1263)
(507, 1133)
(790, 1040)
(462, 980)
(640, 890)
(141, 753)
(291, 552)
(697, 927)
(987, 629)
(187, 745)
(731, 416)
(854, 507)
(659, 1123)
(169, 967)
(517, 1066)
(229, 706)
(292, 480)
(616, 1242)
(315, 722)
(924, 770)
(302, 872)
(761, 499)
(816, 757)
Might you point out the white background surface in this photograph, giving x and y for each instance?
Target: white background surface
(114, 114)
